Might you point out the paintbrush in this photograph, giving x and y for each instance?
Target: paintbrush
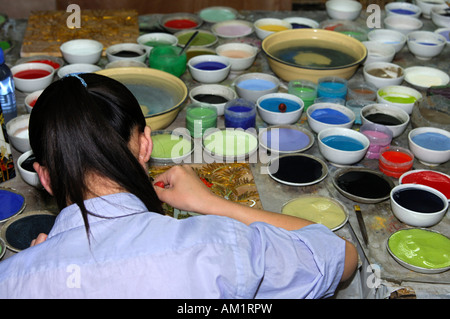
(362, 225)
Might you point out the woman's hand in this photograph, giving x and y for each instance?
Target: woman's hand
(39, 240)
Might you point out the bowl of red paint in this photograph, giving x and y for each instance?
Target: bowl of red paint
(434, 179)
(30, 77)
(395, 161)
(31, 99)
(180, 21)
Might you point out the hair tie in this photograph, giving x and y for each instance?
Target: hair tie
(76, 75)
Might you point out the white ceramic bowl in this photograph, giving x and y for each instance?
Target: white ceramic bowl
(31, 98)
(17, 130)
(213, 89)
(31, 85)
(31, 178)
(261, 33)
(385, 95)
(426, 155)
(279, 118)
(297, 21)
(318, 126)
(423, 77)
(82, 51)
(415, 218)
(233, 29)
(338, 156)
(241, 55)
(425, 44)
(438, 18)
(427, 5)
(392, 37)
(445, 32)
(156, 37)
(400, 8)
(378, 108)
(209, 76)
(254, 93)
(402, 24)
(111, 52)
(383, 74)
(343, 9)
(78, 68)
(379, 52)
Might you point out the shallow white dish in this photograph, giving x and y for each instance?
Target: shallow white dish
(78, 68)
(232, 29)
(423, 77)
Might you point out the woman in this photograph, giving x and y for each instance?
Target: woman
(110, 239)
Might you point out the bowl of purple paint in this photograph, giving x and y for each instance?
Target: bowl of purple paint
(285, 139)
(430, 145)
(209, 68)
(280, 108)
(328, 115)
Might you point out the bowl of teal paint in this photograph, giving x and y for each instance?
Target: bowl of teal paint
(342, 146)
(401, 96)
(280, 108)
(251, 86)
(430, 145)
(328, 115)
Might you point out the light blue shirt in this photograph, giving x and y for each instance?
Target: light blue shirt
(139, 254)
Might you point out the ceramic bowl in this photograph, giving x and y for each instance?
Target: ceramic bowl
(427, 5)
(82, 51)
(55, 62)
(233, 29)
(379, 52)
(77, 68)
(31, 178)
(17, 130)
(160, 94)
(423, 77)
(275, 117)
(302, 23)
(402, 23)
(241, 55)
(425, 44)
(204, 38)
(217, 14)
(432, 151)
(401, 96)
(167, 18)
(288, 70)
(403, 8)
(382, 74)
(318, 126)
(140, 53)
(267, 26)
(213, 89)
(386, 36)
(343, 9)
(445, 32)
(254, 92)
(428, 177)
(31, 99)
(415, 217)
(125, 64)
(150, 40)
(209, 76)
(439, 18)
(390, 110)
(34, 84)
(339, 156)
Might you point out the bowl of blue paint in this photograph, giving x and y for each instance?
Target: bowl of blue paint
(403, 8)
(280, 108)
(342, 146)
(430, 145)
(328, 115)
(251, 86)
(13, 203)
(209, 68)
(285, 139)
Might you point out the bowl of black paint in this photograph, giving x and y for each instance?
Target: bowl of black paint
(418, 205)
(393, 117)
(214, 94)
(26, 170)
(126, 51)
(363, 185)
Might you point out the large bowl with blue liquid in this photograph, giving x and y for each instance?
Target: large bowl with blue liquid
(312, 54)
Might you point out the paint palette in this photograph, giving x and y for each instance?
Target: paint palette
(297, 169)
(434, 179)
(363, 185)
(285, 139)
(12, 203)
(18, 232)
(171, 146)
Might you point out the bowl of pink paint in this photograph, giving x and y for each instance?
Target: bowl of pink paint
(379, 137)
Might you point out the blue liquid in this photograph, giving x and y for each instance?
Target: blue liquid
(300, 26)
(330, 116)
(343, 143)
(432, 141)
(403, 11)
(272, 105)
(11, 203)
(427, 43)
(332, 89)
(256, 85)
(210, 66)
(238, 116)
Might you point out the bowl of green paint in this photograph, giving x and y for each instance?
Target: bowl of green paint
(171, 146)
(203, 39)
(401, 96)
(156, 39)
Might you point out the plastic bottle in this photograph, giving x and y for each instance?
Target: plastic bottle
(7, 96)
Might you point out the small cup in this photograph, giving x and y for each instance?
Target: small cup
(168, 59)
(325, 99)
(240, 113)
(358, 90)
(332, 86)
(200, 117)
(356, 106)
(304, 89)
(395, 160)
(379, 137)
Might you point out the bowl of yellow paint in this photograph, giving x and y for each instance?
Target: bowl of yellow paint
(267, 26)
(401, 96)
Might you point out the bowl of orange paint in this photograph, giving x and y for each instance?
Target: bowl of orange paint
(30, 77)
(267, 26)
(394, 161)
(180, 21)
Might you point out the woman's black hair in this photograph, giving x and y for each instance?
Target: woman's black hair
(83, 124)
